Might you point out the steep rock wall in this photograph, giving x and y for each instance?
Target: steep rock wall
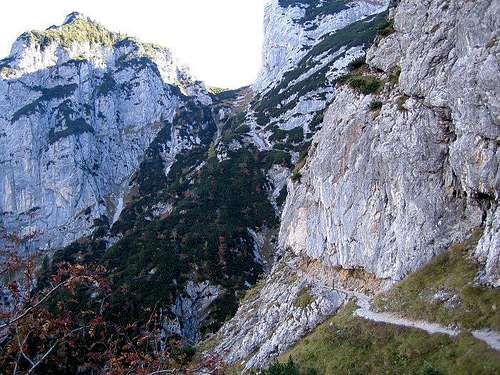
(392, 178)
(404, 182)
(79, 107)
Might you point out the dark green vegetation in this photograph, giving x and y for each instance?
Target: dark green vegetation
(386, 28)
(72, 127)
(348, 345)
(205, 237)
(296, 175)
(57, 92)
(288, 368)
(444, 291)
(376, 105)
(365, 84)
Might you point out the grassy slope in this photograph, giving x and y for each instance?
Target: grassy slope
(453, 272)
(348, 345)
(351, 345)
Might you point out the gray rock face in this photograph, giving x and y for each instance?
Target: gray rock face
(308, 45)
(190, 311)
(79, 106)
(293, 28)
(383, 199)
(277, 313)
(403, 184)
(488, 249)
(386, 189)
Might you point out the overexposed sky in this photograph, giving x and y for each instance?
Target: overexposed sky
(219, 39)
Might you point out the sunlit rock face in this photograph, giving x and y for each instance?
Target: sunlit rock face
(391, 179)
(79, 106)
(293, 27)
(401, 185)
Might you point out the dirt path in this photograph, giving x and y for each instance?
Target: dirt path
(492, 338)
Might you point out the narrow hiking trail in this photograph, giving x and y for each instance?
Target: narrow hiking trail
(490, 337)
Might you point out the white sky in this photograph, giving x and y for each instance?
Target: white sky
(219, 39)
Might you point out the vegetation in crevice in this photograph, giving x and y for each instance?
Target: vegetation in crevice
(71, 127)
(386, 28)
(365, 84)
(304, 298)
(376, 105)
(296, 172)
(394, 76)
(48, 94)
(402, 102)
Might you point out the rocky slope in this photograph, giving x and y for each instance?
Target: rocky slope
(80, 106)
(307, 46)
(406, 164)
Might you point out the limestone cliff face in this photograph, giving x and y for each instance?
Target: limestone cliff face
(79, 106)
(385, 190)
(293, 28)
(392, 178)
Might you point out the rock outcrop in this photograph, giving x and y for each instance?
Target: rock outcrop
(405, 181)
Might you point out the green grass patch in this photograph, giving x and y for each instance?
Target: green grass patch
(365, 84)
(277, 368)
(349, 345)
(252, 293)
(376, 105)
(304, 298)
(451, 276)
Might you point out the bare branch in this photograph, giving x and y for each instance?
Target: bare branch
(21, 345)
(47, 353)
(45, 298)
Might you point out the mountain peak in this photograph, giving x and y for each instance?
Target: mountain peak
(74, 16)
